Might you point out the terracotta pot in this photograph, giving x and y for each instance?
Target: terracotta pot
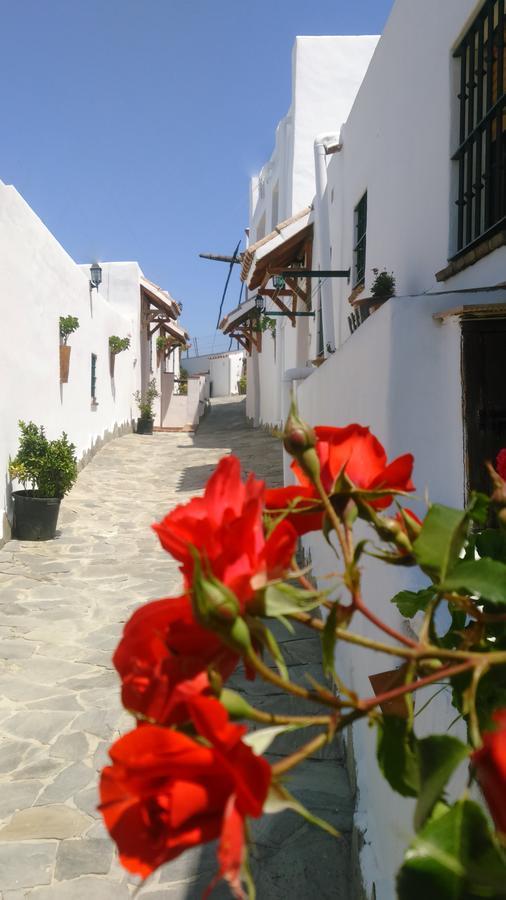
(383, 682)
(64, 363)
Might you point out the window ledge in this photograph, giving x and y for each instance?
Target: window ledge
(470, 257)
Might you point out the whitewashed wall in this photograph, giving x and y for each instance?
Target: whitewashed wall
(224, 370)
(397, 144)
(326, 75)
(400, 375)
(40, 283)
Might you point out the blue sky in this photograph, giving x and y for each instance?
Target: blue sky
(133, 126)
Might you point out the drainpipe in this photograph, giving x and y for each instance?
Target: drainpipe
(287, 386)
(323, 236)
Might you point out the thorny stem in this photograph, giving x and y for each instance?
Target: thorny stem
(413, 686)
(368, 614)
(474, 725)
(290, 687)
(419, 651)
(279, 719)
(302, 753)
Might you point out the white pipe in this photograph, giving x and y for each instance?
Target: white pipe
(323, 238)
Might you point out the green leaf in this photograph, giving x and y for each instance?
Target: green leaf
(410, 602)
(485, 577)
(439, 756)
(441, 539)
(329, 640)
(478, 507)
(454, 857)
(492, 543)
(275, 651)
(397, 757)
(283, 599)
(279, 799)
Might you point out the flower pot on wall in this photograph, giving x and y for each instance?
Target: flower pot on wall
(35, 518)
(64, 363)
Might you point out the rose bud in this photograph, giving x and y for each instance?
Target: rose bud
(299, 440)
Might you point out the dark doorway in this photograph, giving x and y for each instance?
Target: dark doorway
(484, 382)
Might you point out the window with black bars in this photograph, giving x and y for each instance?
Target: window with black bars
(481, 155)
(359, 244)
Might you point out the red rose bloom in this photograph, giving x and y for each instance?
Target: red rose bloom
(226, 529)
(490, 763)
(162, 659)
(359, 454)
(165, 793)
(500, 463)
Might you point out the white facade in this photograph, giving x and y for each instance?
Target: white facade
(399, 372)
(326, 74)
(224, 370)
(40, 283)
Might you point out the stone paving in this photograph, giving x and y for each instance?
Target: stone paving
(62, 605)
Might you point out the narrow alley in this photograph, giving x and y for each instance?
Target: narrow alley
(61, 613)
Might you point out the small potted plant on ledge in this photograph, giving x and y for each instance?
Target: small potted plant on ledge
(68, 324)
(383, 287)
(163, 343)
(116, 345)
(47, 470)
(145, 403)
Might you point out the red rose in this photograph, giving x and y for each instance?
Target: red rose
(225, 527)
(359, 454)
(164, 792)
(162, 660)
(490, 763)
(500, 463)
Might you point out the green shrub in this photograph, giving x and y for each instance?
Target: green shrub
(145, 401)
(49, 467)
(242, 384)
(117, 344)
(68, 324)
(383, 285)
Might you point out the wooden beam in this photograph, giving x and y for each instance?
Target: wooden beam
(291, 282)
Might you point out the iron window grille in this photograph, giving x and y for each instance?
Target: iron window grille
(93, 377)
(481, 155)
(359, 245)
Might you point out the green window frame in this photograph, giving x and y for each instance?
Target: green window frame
(93, 376)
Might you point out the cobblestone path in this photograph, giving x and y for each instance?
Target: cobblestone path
(62, 605)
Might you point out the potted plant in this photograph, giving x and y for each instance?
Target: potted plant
(47, 470)
(383, 287)
(145, 403)
(68, 324)
(163, 343)
(116, 345)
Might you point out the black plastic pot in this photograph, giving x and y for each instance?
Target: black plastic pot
(145, 426)
(35, 518)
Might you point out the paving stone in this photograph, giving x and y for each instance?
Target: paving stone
(73, 746)
(41, 769)
(43, 726)
(87, 857)
(17, 795)
(26, 865)
(89, 887)
(45, 822)
(12, 754)
(68, 783)
(88, 801)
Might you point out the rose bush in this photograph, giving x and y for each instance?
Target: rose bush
(353, 452)
(165, 792)
(187, 774)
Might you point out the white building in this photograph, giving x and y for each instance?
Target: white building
(413, 182)
(224, 371)
(40, 283)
